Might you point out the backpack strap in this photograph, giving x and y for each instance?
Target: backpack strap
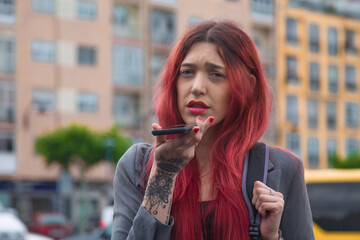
(256, 164)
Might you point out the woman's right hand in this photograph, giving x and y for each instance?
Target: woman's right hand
(173, 155)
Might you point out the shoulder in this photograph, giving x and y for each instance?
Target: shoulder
(129, 164)
(283, 159)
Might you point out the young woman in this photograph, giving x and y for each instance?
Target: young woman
(191, 186)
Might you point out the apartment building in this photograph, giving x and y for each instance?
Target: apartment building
(87, 61)
(318, 78)
(262, 31)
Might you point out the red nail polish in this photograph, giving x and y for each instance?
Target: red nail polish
(211, 119)
(196, 130)
(199, 117)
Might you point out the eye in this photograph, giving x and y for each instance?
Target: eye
(217, 75)
(186, 72)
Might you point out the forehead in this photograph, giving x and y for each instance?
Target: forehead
(203, 52)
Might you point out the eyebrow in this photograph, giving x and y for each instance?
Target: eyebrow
(207, 64)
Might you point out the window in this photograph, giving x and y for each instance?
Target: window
(352, 145)
(127, 110)
(350, 46)
(314, 76)
(313, 152)
(7, 54)
(291, 70)
(46, 6)
(291, 30)
(43, 51)
(87, 102)
(343, 200)
(293, 143)
(121, 15)
(171, 2)
(262, 6)
(292, 110)
(86, 10)
(352, 115)
(333, 79)
(331, 115)
(192, 20)
(7, 141)
(126, 21)
(157, 63)
(127, 65)
(43, 100)
(314, 38)
(7, 11)
(163, 26)
(86, 56)
(7, 101)
(332, 41)
(331, 147)
(312, 106)
(350, 78)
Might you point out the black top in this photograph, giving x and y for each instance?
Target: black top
(208, 212)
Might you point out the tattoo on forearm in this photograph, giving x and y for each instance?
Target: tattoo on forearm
(159, 190)
(173, 165)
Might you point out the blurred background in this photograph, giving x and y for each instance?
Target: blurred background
(94, 63)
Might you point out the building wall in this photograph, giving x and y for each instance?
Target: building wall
(304, 91)
(64, 76)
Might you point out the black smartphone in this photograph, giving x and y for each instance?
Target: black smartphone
(174, 129)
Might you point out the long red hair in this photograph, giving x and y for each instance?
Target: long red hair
(244, 124)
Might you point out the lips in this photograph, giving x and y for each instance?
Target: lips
(196, 107)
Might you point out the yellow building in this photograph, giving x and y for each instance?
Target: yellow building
(318, 76)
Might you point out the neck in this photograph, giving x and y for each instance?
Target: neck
(203, 151)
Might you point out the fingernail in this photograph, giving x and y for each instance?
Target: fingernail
(199, 117)
(211, 119)
(196, 130)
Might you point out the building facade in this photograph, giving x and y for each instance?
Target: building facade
(86, 61)
(318, 78)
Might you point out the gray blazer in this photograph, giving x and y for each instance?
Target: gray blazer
(132, 221)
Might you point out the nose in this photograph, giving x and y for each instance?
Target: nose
(199, 84)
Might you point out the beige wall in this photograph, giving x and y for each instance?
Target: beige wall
(65, 77)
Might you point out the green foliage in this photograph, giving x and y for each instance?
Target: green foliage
(78, 143)
(115, 144)
(351, 161)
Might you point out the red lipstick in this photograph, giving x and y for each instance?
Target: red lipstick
(196, 107)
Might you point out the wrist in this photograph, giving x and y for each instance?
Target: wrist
(277, 236)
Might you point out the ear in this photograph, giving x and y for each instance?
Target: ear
(252, 82)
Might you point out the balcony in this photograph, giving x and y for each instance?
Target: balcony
(262, 12)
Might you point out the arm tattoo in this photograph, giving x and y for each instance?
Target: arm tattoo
(159, 190)
(173, 165)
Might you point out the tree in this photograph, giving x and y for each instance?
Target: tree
(115, 144)
(351, 161)
(81, 145)
(70, 144)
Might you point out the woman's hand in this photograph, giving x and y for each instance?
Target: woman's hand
(270, 205)
(173, 155)
(170, 157)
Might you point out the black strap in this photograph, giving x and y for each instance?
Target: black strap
(255, 169)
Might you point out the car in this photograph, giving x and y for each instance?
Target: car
(11, 227)
(106, 217)
(54, 225)
(34, 236)
(97, 234)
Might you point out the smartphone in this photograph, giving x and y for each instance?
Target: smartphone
(174, 129)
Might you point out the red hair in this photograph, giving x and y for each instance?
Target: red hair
(244, 124)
